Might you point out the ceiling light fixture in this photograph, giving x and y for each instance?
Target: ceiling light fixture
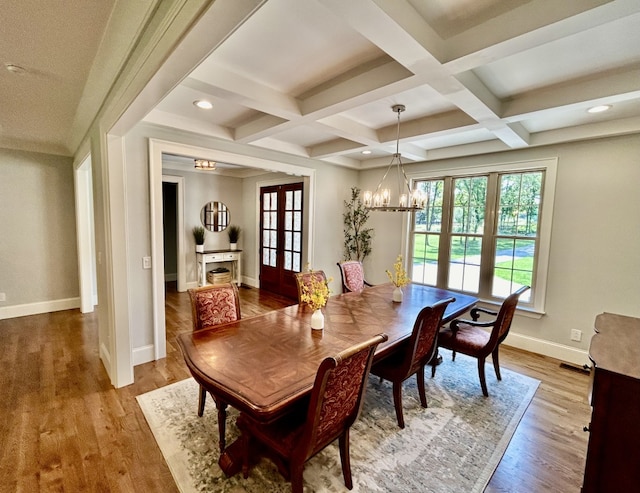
(205, 164)
(599, 109)
(203, 104)
(408, 200)
(366, 152)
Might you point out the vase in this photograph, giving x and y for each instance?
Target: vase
(317, 320)
(199, 248)
(233, 246)
(397, 295)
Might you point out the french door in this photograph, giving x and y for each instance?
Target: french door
(281, 213)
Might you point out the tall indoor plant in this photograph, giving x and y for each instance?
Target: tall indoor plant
(357, 237)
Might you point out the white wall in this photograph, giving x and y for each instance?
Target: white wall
(38, 252)
(594, 261)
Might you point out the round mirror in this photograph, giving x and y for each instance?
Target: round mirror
(215, 216)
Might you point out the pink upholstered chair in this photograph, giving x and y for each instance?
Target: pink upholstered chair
(214, 305)
(413, 355)
(469, 337)
(334, 405)
(352, 274)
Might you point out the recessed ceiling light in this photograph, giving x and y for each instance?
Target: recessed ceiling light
(15, 69)
(201, 103)
(367, 152)
(599, 109)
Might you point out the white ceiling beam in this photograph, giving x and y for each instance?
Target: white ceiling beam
(259, 128)
(384, 24)
(530, 25)
(608, 88)
(224, 84)
(380, 82)
(172, 120)
(349, 129)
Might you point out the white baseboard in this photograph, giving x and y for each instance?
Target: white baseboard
(547, 348)
(37, 308)
(143, 354)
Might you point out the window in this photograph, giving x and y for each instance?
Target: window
(483, 231)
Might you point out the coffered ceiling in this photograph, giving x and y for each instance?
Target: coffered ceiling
(318, 78)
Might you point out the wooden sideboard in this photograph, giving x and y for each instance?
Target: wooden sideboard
(233, 257)
(613, 455)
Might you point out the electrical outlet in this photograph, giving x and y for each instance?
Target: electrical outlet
(576, 335)
(146, 262)
(3, 297)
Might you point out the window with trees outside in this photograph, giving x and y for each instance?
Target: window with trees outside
(484, 231)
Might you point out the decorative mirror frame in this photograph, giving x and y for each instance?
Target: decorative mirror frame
(215, 216)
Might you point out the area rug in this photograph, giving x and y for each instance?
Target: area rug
(452, 446)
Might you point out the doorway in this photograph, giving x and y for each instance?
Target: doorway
(281, 231)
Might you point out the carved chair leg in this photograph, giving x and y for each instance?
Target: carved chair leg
(496, 362)
(483, 380)
(453, 355)
(222, 421)
(421, 389)
(296, 477)
(201, 398)
(397, 401)
(345, 458)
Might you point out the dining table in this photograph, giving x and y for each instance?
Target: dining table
(264, 365)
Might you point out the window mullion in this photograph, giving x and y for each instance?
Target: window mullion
(444, 248)
(487, 260)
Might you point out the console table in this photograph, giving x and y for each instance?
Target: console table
(613, 461)
(234, 257)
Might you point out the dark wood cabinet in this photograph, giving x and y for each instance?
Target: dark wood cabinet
(613, 456)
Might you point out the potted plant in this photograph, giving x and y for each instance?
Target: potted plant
(357, 238)
(234, 235)
(198, 235)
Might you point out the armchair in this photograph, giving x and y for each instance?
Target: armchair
(214, 305)
(335, 403)
(413, 355)
(469, 337)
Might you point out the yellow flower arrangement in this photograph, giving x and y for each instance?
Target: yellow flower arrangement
(316, 293)
(399, 277)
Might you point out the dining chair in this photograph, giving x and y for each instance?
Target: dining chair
(304, 279)
(352, 274)
(335, 403)
(214, 305)
(413, 355)
(470, 337)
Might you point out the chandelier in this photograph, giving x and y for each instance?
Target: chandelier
(205, 164)
(408, 200)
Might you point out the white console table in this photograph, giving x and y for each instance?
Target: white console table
(234, 257)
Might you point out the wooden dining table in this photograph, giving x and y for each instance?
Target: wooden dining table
(265, 364)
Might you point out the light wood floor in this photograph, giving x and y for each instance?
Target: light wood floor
(63, 427)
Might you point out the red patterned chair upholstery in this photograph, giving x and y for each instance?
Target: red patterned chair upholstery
(214, 305)
(413, 355)
(334, 405)
(304, 279)
(352, 274)
(469, 337)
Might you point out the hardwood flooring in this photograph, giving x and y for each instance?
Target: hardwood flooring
(63, 427)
